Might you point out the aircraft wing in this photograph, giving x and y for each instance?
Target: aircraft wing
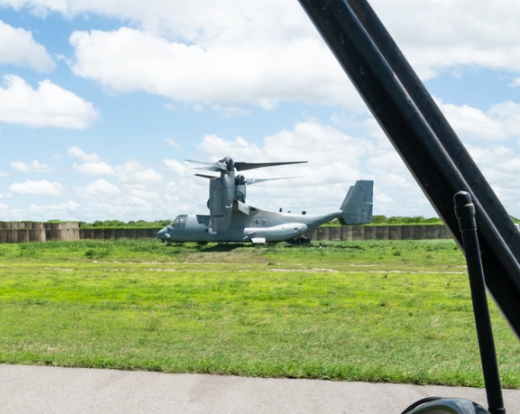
(243, 208)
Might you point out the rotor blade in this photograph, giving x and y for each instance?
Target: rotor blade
(251, 181)
(241, 166)
(211, 166)
(211, 177)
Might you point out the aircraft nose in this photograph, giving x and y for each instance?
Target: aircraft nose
(163, 234)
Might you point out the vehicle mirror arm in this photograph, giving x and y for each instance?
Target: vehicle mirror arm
(465, 212)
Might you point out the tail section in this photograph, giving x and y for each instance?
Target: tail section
(357, 206)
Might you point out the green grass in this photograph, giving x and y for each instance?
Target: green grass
(385, 311)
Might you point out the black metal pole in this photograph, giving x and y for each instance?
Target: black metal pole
(501, 223)
(436, 120)
(465, 212)
(435, 165)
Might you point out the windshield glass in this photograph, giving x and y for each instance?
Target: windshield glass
(180, 221)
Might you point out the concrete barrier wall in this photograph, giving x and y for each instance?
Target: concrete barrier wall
(21, 235)
(27, 231)
(20, 232)
(23, 225)
(352, 233)
(110, 234)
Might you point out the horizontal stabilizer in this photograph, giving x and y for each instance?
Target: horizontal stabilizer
(357, 206)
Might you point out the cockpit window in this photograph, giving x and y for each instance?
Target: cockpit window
(179, 221)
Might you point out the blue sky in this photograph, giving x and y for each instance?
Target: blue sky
(101, 103)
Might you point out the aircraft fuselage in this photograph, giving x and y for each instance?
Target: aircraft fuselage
(260, 226)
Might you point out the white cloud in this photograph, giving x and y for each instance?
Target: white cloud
(336, 161)
(441, 35)
(17, 47)
(435, 35)
(42, 187)
(77, 152)
(94, 168)
(224, 75)
(172, 143)
(35, 167)
(175, 166)
(500, 122)
(99, 188)
(308, 141)
(49, 106)
(3, 174)
(67, 210)
(142, 192)
(133, 172)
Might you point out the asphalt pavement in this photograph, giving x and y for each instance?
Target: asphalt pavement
(53, 390)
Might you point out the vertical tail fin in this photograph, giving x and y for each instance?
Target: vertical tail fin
(357, 206)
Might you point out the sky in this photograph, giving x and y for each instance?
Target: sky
(103, 101)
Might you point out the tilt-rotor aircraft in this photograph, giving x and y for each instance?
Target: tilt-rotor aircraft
(232, 220)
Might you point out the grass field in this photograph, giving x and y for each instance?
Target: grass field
(392, 311)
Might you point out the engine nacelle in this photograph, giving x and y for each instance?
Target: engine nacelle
(240, 188)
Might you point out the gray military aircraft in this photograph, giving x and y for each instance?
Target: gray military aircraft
(232, 220)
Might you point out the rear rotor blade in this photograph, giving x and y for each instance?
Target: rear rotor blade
(241, 166)
(211, 177)
(251, 181)
(210, 166)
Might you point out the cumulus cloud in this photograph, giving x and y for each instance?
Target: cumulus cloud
(220, 75)
(499, 122)
(268, 51)
(42, 187)
(132, 172)
(92, 164)
(175, 166)
(99, 188)
(67, 210)
(307, 141)
(94, 168)
(17, 47)
(3, 174)
(48, 106)
(336, 161)
(77, 152)
(445, 35)
(142, 192)
(35, 167)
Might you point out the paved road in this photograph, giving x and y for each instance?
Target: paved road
(51, 390)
